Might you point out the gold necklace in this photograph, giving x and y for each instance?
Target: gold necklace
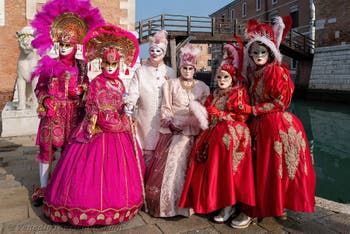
(187, 84)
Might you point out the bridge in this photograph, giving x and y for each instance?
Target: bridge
(198, 29)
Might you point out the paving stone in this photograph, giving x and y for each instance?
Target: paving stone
(308, 227)
(35, 212)
(183, 224)
(272, 224)
(145, 229)
(209, 230)
(9, 154)
(149, 219)
(336, 222)
(18, 212)
(137, 221)
(302, 217)
(226, 228)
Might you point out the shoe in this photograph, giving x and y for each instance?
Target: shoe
(38, 202)
(283, 216)
(38, 196)
(224, 214)
(242, 221)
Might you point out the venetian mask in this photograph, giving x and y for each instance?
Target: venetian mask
(110, 66)
(223, 79)
(187, 72)
(259, 53)
(156, 54)
(65, 49)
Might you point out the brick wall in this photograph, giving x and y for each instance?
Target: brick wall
(332, 22)
(15, 19)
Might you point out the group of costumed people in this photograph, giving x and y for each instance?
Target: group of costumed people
(165, 144)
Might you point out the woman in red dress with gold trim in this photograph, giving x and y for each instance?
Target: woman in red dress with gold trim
(284, 174)
(221, 166)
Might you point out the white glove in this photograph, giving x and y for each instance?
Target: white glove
(128, 109)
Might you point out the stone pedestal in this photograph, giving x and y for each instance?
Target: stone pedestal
(18, 122)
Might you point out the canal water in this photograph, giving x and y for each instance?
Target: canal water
(327, 125)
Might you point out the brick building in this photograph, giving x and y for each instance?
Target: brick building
(238, 12)
(16, 14)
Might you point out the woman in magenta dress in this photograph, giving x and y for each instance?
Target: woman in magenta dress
(221, 166)
(60, 26)
(98, 180)
(284, 174)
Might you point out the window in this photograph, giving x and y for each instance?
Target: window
(232, 15)
(295, 18)
(258, 5)
(274, 1)
(244, 9)
(222, 20)
(294, 64)
(209, 62)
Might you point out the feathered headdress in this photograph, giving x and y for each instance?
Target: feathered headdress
(188, 55)
(108, 38)
(237, 50)
(160, 39)
(271, 36)
(63, 21)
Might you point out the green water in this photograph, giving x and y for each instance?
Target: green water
(327, 125)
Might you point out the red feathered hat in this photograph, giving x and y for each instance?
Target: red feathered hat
(270, 36)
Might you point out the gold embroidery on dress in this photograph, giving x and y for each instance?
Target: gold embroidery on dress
(235, 134)
(267, 107)
(100, 217)
(83, 216)
(226, 139)
(292, 143)
(288, 117)
(116, 216)
(278, 149)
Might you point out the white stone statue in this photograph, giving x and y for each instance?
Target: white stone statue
(26, 63)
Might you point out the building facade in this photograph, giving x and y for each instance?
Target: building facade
(16, 14)
(238, 12)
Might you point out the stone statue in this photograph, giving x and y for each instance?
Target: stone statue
(26, 63)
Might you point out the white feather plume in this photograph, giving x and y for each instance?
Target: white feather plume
(200, 112)
(278, 27)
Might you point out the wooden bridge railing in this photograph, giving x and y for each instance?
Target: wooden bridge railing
(190, 25)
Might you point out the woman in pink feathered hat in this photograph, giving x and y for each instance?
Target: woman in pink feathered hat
(182, 116)
(285, 176)
(60, 27)
(99, 178)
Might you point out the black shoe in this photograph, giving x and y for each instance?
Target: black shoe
(38, 202)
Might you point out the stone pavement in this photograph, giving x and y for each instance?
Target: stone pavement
(19, 174)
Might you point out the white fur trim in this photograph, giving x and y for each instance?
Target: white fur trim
(248, 62)
(200, 112)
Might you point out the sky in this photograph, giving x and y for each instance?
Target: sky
(150, 8)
